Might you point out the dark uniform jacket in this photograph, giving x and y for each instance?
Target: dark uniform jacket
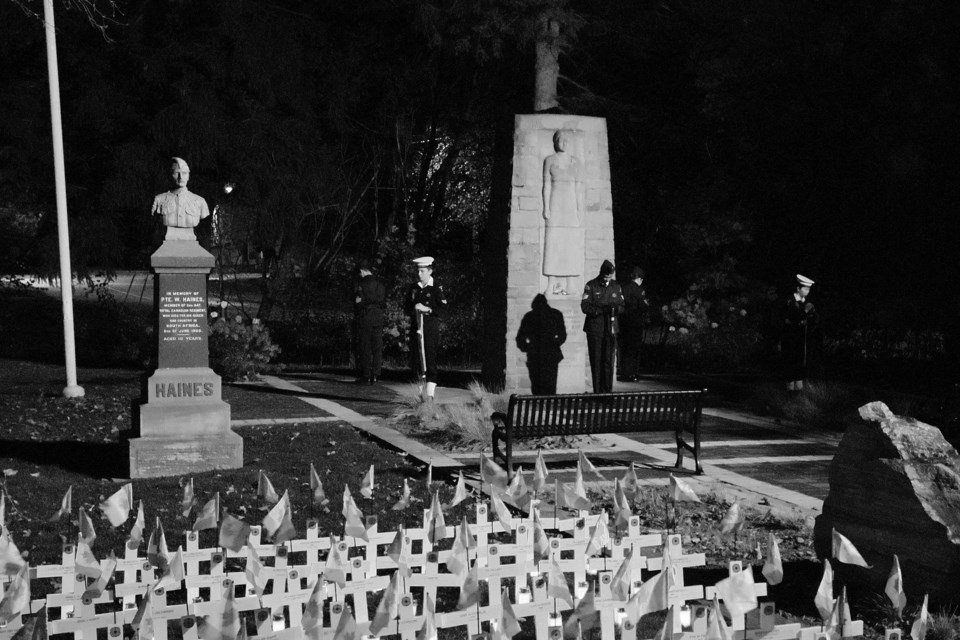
(800, 321)
(636, 306)
(432, 296)
(373, 301)
(601, 304)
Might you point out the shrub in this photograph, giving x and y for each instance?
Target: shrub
(712, 336)
(240, 348)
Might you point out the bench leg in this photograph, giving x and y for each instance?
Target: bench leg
(695, 450)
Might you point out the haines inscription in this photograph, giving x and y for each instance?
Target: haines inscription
(183, 389)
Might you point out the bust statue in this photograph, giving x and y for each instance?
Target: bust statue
(180, 209)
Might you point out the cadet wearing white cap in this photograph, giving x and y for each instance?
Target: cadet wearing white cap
(426, 301)
(179, 207)
(799, 322)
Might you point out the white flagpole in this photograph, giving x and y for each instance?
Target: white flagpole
(72, 390)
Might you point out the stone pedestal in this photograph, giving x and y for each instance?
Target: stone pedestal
(183, 425)
(532, 143)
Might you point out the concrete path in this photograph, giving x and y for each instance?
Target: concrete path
(765, 463)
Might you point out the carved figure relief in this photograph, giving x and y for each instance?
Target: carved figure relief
(563, 208)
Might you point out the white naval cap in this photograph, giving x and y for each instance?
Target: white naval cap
(179, 163)
(804, 281)
(425, 261)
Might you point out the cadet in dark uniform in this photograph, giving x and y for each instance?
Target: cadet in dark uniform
(427, 300)
(602, 302)
(800, 320)
(371, 301)
(632, 325)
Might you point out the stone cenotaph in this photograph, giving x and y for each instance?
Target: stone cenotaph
(560, 231)
(184, 425)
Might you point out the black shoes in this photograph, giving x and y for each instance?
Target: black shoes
(366, 380)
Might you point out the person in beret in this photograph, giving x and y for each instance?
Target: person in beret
(602, 303)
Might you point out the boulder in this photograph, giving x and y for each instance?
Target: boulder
(895, 489)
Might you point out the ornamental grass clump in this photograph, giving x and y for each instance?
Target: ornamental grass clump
(240, 348)
(461, 426)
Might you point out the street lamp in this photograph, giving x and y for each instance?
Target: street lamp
(218, 233)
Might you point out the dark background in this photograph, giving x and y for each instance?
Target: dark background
(750, 140)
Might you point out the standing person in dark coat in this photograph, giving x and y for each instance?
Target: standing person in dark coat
(800, 320)
(632, 325)
(371, 301)
(542, 331)
(427, 301)
(602, 302)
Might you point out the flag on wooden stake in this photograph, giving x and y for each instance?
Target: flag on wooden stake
(583, 464)
(557, 583)
(253, 571)
(681, 491)
(540, 474)
(366, 485)
(824, 598)
(209, 514)
(459, 492)
(186, 502)
(316, 487)
(265, 490)
(234, 533)
(87, 564)
(894, 587)
(389, 608)
(600, 539)
(16, 597)
(173, 576)
(404, 500)
(918, 631)
(773, 566)
(279, 521)
(845, 552)
(136, 531)
(354, 525)
(436, 527)
(491, 473)
(335, 568)
(87, 533)
(470, 590)
(733, 520)
(66, 506)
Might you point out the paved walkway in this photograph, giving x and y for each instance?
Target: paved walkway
(756, 459)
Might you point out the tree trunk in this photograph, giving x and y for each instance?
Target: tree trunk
(547, 66)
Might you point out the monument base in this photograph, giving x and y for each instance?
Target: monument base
(183, 455)
(184, 426)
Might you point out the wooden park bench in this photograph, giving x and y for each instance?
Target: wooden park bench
(593, 413)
